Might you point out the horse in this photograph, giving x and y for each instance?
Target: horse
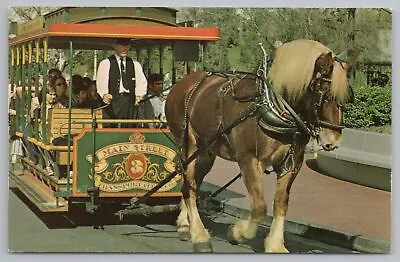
(260, 121)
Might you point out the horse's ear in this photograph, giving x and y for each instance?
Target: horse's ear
(324, 64)
(352, 61)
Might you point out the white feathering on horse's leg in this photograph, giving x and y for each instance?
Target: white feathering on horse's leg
(244, 230)
(182, 223)
(197, 231)
(274, 242)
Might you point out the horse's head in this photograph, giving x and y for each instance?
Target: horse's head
(328, 91)
(314, 82)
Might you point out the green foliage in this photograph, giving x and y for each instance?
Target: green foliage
(386, 129)
(371, 107)
(243, 28)
(24, 14)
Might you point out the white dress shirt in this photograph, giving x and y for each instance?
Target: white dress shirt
(102, 78)
(158, 104)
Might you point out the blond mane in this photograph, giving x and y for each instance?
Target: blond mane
(293, 67)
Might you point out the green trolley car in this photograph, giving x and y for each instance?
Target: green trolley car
(99, 165)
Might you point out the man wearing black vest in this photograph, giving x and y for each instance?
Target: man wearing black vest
(121, 82)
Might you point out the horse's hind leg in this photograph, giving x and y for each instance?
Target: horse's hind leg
(252, 174)
(204, 164)
(274, 242)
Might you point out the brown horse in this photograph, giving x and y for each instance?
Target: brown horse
(313, 84)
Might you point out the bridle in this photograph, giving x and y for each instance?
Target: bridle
(278, 117)
(321, 96)
(313, 126)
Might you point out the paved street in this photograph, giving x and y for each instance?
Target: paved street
(318, 199)
(32, 231)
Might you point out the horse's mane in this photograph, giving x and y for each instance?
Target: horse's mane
(293, 67)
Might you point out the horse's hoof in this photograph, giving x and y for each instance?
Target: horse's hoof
(184, 236)
(202, 247)
(230, 237)
(275, 246)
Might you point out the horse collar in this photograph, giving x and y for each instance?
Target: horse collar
(276, 115)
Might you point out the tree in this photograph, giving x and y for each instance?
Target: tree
(23, 14)
(218, 55)
(338, 28)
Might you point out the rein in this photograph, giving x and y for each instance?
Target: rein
(317, 107)
(330, 126)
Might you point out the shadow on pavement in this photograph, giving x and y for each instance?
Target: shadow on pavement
(78, 217)
(313, 165)
(294, 243)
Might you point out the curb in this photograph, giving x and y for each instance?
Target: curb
(317, 232)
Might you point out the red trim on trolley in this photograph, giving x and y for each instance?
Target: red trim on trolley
(134, 31)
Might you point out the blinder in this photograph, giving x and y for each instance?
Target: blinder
(322, 96)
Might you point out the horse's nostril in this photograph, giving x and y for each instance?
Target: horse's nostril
(329, 147)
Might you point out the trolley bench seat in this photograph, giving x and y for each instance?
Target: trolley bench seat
(58, 126)
(58, 121)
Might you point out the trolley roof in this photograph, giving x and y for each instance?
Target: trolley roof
(101, 36)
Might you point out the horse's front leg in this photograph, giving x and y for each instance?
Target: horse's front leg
(244, 230)
(198, 234)
(182, 222)
(274, 242)
(204, 164)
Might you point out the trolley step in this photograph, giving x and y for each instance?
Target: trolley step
(41, 196)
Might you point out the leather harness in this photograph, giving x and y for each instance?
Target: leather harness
(273, 113)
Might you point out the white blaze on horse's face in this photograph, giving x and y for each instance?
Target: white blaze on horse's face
(330, 139)
(331, 111)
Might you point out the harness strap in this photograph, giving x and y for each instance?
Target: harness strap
(225, 186)
(252, 109)
(275, 100)
(188, 98)
(330, 126)
(221, 123)
(296, 117)
(291, 162)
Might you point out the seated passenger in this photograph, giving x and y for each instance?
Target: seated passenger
(86, 81)
(16, 142)
(94, 97)
(53, 72)
(153, 105)
(81, 96)
(60, 85)
(76, 81)
(50, 102)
